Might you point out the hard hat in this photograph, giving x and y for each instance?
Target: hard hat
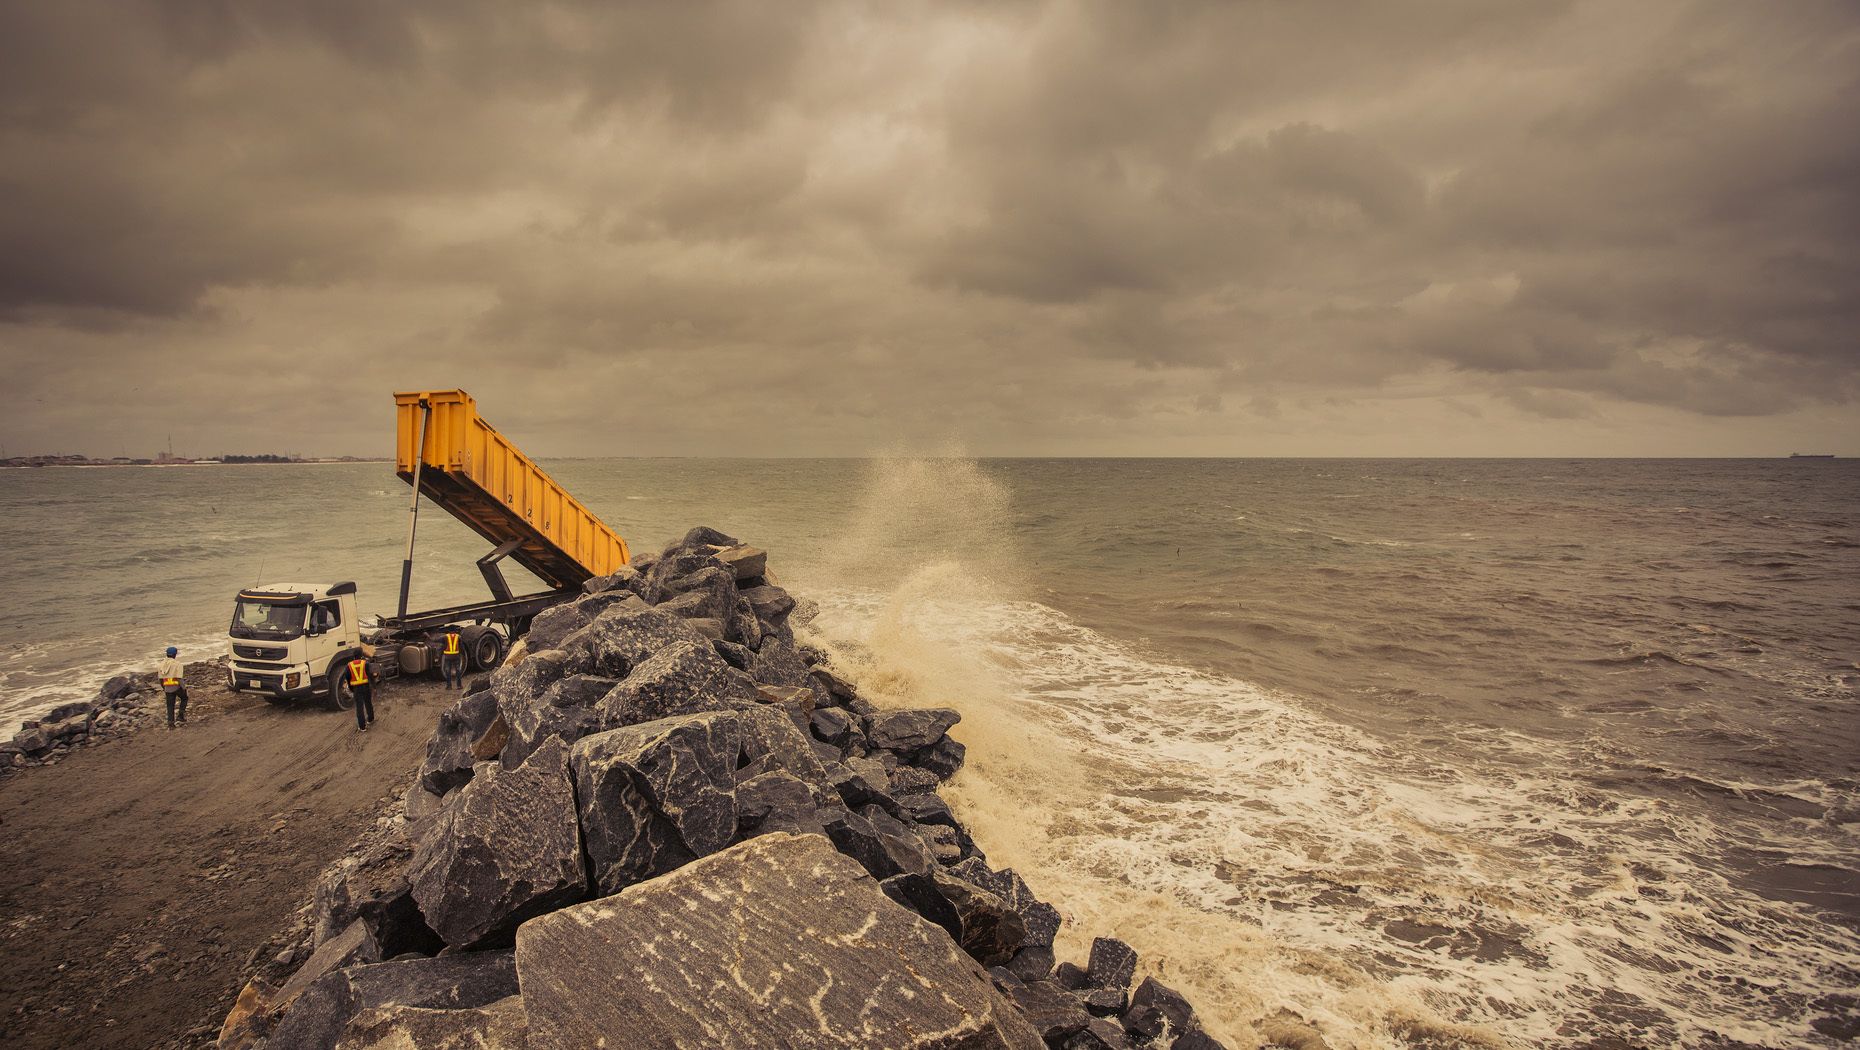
(172, 651)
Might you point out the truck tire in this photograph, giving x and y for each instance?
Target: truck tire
(337, 696)
(486, 648)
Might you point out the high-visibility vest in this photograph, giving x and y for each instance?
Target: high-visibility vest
(170, 681)
(358, 672)
(452, 643)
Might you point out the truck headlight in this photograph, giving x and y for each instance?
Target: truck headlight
(291, 680)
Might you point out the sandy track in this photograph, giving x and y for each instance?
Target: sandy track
(137, 877)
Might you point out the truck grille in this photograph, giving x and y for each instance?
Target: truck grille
(260, 652)
(265, 681)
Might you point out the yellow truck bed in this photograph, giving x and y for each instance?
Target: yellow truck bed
(480, 478)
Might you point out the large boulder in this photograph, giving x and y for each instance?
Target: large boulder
(369, 886)
(905, 731)
(449, 761)
(508, 848)
(685, 677)
(117, 687)
(983, 923)
(708, 956)
(329, 1008)
(654, 796)
(564, 711)
(743, 561)
(556, 623)
(778, 662)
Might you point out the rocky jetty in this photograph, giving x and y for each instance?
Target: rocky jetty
(123, 704)
(666, 823)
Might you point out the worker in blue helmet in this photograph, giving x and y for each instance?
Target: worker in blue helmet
(173, 687)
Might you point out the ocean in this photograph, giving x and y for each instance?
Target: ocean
(1428, 753)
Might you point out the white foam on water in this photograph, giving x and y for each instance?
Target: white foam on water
(1266, 859)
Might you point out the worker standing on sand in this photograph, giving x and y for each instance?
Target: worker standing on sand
(362, 688)
(452, 662)
(172, 685)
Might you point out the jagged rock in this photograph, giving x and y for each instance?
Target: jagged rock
(854, 783)
(941, 759)
(831, 725)
(117, 687)
(705, 536)
(1032, 963)
(1102, 1002)
(737, 656)
(707, 956)
(1069, 976)
(369, 886)
(553, 625)
(626, 577)
(771, 741)
(1052, 1011)
(881, 845)
(326, 1011)
(1101, 1034)
(623, 637)
(1200, 1040)
(507, 849)
(1113, 963)
(941, 841)
(743, 561)
(775, 801)
(1040, 918)
(654, 796)
(565, 711)
(980, 921)
(32, 740)
(448, 763)
(354, 946)
(906, 780)
(75, 710)
(906, 731)
(1154, 1006)
(491, 744)
(777, 663)
(839, 688)
(927, 809)
(421, 805)
(707, 627)
(686, 677)
(771, 605)
(499, 1026)
(540, 669)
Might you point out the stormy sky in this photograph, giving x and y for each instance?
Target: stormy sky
(1455, 227)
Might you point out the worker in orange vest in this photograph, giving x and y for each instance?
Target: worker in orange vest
(452, 661)
(362, 687)
(172, 685)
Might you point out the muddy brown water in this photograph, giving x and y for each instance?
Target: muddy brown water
(138, 876)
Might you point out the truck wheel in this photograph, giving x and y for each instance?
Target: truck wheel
(487, 651)
(338, 697)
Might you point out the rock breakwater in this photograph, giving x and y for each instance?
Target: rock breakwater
(667, 823)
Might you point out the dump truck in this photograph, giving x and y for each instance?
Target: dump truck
(291, 641)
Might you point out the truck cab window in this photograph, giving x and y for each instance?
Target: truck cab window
(326, 616)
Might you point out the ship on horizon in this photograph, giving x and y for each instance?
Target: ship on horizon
(1811, 455)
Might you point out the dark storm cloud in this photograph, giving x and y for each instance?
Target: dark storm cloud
(1040, 226)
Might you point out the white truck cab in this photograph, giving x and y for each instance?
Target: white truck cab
(291, 641)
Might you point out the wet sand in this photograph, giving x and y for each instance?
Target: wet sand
(138, 877)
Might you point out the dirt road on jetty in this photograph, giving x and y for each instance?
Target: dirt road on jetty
(137, 877)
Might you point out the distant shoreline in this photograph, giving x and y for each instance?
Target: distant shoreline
(91, 463)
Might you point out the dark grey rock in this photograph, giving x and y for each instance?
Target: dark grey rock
(32, 739)
(552, 626)
(941, 841)
(1101, 1034)
(448, 763)
(1102, 1002)
(1069, 976)
(1154, 1006)
(1041, 919)
(1113, 963)
(880, 844)
(508, 848)
(705, 536)
(118, 687)
(369, 887)
(654, 796)
(320, 1017)
(927, 809)
(564, 711)
(75, 710)
(708, 956)
(737, 656)
(978, 920)
(537, 670)
(839, 688)
(1052, 1010)
(777, 663)
(1032, 963)
(626, 577)
(685, 677)
(906, 731)
(906, 780)
(623, 637)
(1200, 1040)
(775, 801)
(942, 759)
(831, 725)
(743, 561)
(352, 946)
(771, 604)
(771, 741)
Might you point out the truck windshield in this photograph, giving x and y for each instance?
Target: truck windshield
(260, 619)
